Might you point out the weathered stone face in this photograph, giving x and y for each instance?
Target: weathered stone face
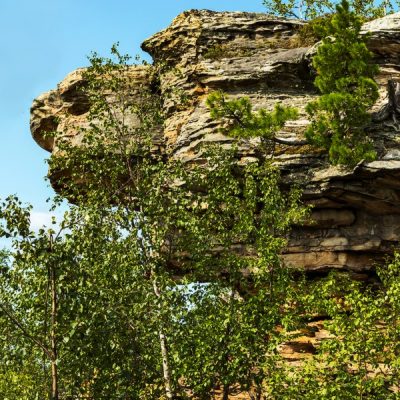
(356, 212)
(65, 110)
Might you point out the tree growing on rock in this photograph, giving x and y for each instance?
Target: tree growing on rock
(241, 122)
(345, 79)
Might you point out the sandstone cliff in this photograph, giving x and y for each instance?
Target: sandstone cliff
(356, 212)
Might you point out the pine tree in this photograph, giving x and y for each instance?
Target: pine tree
(345, 78)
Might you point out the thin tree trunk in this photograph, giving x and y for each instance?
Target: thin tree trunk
(164, 353)
(166, 369)
(45, 325)
(226, 393)
(392, 108)
(53, 339)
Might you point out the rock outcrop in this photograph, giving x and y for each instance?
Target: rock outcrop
(356, 212)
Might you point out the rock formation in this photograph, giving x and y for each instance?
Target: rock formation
(356, 212)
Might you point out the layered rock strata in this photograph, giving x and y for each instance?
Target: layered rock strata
(356, 212)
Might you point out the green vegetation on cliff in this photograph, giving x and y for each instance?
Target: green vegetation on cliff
(308, 10)
(345, 79)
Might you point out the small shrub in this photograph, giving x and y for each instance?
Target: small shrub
(220, 51)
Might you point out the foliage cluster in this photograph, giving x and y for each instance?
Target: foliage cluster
(240, 121)
(116, 284)
(361, 357)
(314, 30)
(311, 9)
(345, 78)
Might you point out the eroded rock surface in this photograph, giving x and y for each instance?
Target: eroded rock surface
(356, 212)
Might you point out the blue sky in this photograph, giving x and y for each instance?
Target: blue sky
(43, 40)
